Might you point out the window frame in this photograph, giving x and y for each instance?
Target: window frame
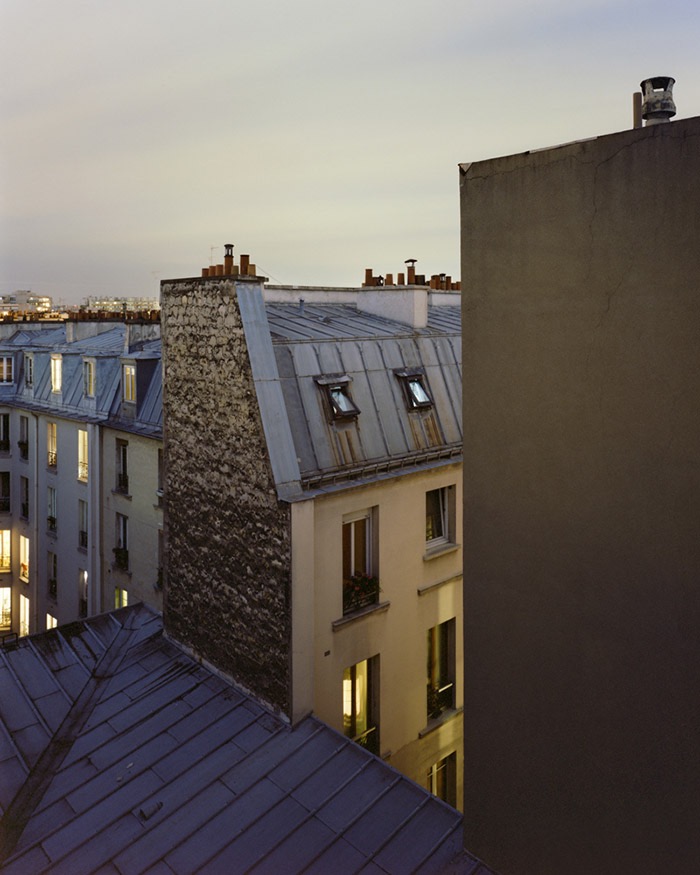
(56, 373)
(410, 377)
(129, 388)
(447, 509)
(24, 553)
(122, 466)
(51, 444)
(336, 386)
(368, 736)
(359, 574)
(5, 550)
(7, 370)
(89, 375)
(29, 369)
(5, 607)
(441, 669)
(442, 779)
(83, 455)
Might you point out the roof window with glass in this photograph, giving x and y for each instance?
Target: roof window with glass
(336, 390)
(415, 389)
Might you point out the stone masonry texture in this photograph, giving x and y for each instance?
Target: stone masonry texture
(227, 568)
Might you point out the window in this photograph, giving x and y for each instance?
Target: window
(51, 622)
(360, 584)
(24, 558)
(442, 779)
(129, 383)
(52, 573)
(23, 615)
(56, 373)
(337, 393)
(5, 607)
(121, 598)
(23, 442)
(441, 669)
(6, 369)
(82, 454)
(439, 516)
(5, 550)
(122, 484)
(51, 509)
(414, 388)
(4, 432)
(52, 455)
(360, 703)
(28, 370)
(89, 378)
(24, 496)
(82, 592)
(4, 491)
(82, 524)
(121, 550)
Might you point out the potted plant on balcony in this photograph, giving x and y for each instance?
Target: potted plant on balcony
(361, 590)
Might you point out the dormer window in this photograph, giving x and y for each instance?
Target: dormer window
(89, 378)
(28, 370)
(337, 392)
(6, 369)
(56, 373)
(415, 389)
(129, 383)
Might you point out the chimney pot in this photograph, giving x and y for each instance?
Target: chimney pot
(657, 99)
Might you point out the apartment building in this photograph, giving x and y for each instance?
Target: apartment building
(313, 474)
(80, 443)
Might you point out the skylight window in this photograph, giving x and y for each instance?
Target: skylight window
(337, 393)
(415, 389)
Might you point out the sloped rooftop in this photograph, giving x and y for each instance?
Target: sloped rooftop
(121, 754)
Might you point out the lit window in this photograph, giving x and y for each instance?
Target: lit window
(5, 550)
(51, 621)
(414, 388)
(82, 592)
(360, 584)
(442, 779)
(121, 598)
(129, 383)
(89, 378)
(82, 454)
(6, 369)
(360, 703)
(441, 669)
(24, 558)
(82, 524)
(52, 455)
(337, 394)
(439, 516)
(23, 615)
(5, 607)
(56, 373)
(28, 370)
(4, 432)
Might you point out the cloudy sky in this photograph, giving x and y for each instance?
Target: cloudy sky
(319, 137)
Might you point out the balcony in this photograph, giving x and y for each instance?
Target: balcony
(23, 449)
(83, 539)
(121, 558)
(52, 458)
(360, 591)
(53, 587)
(51, 523)
(123, 483)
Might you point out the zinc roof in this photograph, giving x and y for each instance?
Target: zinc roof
(121, 754)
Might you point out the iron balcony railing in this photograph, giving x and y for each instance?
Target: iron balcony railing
(52, 458)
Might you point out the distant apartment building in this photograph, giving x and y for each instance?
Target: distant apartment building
(106, 304)
(25, 302)
(80, 444)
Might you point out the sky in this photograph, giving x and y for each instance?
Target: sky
(139, 136)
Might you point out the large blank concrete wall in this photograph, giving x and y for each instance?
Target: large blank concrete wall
(581, 278)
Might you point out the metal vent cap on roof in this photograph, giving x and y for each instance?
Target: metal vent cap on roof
(657, 99)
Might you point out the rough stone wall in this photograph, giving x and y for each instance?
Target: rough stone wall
(227, 581)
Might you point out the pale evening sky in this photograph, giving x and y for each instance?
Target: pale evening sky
(321, 138)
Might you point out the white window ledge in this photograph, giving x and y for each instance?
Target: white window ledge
(439, 550)
(379, 608)
(437, 722)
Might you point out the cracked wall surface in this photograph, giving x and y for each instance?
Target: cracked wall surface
(581, 297)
